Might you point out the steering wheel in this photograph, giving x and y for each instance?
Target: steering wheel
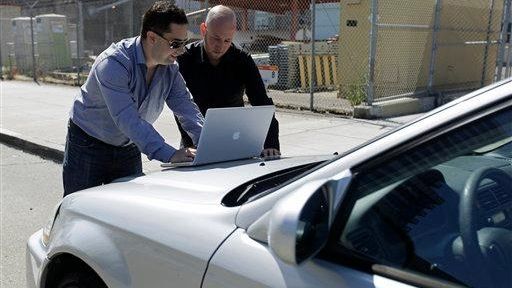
(468, 218)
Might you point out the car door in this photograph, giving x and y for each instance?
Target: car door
(436, 211)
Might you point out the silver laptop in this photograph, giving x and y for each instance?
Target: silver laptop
(231, 134)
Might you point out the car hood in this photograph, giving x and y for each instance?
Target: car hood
(199, 185)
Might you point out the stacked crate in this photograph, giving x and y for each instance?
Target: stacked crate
(285, 57)
(295, 65)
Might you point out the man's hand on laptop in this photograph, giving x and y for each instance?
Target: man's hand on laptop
(183, 155)
(270, 153)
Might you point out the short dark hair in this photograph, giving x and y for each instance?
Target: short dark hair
(160, 16)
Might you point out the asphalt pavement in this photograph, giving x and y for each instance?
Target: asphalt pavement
(34, 118)
(30, 188)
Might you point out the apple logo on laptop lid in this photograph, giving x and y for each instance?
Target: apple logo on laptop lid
(236, 135)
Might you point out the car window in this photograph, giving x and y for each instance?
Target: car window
(442, 208)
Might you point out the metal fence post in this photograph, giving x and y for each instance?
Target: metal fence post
(509, 36)
(206, 5)
(107, 33)
(30, 8)
(509, 60)
(373, 52)
(130, 19)
(487, 40)
(312, 78)
(433, 55)
(507, 63)
(79, 35)
(503, 37)
(33, 45)
(1, 64)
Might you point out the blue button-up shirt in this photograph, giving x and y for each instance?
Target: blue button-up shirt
(116, 106)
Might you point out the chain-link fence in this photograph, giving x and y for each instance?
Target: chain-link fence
(65, 35)
(363, 51)
(462, 56)
(278, 35)
(420, 48)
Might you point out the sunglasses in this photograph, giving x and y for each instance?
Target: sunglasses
(174, 44)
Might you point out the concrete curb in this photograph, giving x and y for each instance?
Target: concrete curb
(395, 108)
(41, 148)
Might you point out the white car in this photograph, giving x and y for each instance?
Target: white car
(428, 204)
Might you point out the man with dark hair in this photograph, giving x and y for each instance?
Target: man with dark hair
(111, 118)
(218, 73)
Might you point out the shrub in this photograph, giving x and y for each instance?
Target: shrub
(355, 93)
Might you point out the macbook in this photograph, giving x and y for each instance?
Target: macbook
(231, 134)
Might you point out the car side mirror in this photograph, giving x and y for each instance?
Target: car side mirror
(299, 223)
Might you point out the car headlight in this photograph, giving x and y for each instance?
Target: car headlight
(47, 229)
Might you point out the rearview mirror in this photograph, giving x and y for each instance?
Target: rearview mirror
(299, 223)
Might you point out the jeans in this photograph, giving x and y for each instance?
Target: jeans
(89, 162)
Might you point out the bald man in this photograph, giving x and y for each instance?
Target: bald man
(218, 73)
